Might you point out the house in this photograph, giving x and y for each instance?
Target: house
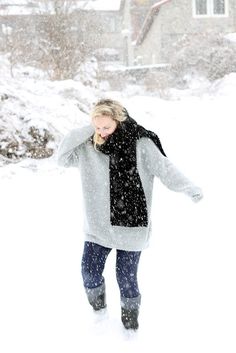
(98, 23)
(107, 19)
(169, 20)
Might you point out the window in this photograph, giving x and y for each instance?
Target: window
(201, 7)
(219, 7)
(210, 7)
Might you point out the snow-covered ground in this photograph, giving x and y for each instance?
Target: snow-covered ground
(187, 276)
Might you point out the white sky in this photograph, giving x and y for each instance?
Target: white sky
(187, 276)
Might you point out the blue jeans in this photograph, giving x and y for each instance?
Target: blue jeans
(93, 263)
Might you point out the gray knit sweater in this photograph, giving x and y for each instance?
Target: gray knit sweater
(76, 150)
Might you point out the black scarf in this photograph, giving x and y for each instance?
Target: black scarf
(128, 206)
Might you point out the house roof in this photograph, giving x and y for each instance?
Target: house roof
(27, 7)
(152, 13)
(16, 7)
(14, 2)
(101, 5)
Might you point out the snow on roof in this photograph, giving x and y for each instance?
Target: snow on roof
(14, 2)
(27, 7)
(100, 5)
(17, 10)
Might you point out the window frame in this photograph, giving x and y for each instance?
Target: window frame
(210, 13)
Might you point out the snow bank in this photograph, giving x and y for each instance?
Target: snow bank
(35, 112)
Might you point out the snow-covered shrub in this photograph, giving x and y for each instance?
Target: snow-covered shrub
(56, 41)
(31, 142)
(210, 55)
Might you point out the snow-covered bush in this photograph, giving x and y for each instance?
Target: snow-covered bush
(210, 55)
(33, 144)
(56, 41)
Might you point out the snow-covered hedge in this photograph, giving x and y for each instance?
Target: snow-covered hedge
(210, 55)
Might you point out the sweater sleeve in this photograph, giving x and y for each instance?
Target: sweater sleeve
(167, 172)
(67, 153)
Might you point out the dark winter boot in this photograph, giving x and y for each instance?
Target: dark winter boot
(129, 318)
(97, 297)
(99, 302)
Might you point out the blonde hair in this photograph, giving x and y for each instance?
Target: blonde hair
(111, 108)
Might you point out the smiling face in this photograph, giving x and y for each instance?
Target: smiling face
(104, 125)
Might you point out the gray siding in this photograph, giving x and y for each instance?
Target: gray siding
(173, 21)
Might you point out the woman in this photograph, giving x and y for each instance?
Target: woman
(118, 160)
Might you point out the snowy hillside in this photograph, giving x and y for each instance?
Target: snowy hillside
(36, 112)
(187, 276)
